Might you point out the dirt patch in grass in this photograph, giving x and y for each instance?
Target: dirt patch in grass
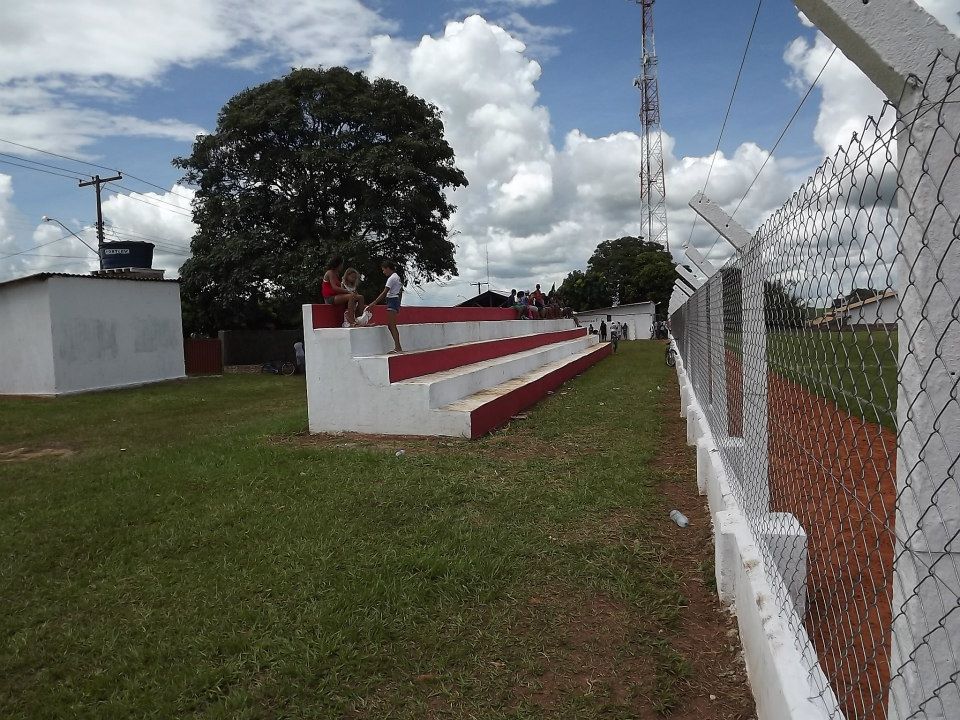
(590, 654)
(516, 441)
(22, 454)
(362, 441)
(706, 636)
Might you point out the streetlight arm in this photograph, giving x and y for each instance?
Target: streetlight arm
(50, 219)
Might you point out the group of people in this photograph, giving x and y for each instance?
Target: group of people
(537, 305)
(618, 331)
(340, 287)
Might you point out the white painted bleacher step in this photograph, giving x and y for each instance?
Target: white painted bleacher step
(469, 408)
(443, 388)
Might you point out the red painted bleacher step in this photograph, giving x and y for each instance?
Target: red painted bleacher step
(504, 405)
(425, 362)
(331, 316)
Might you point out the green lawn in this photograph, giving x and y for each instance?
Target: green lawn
(857, 370)
(198, 556)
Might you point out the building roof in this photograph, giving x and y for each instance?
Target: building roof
(616, 307)
(869, 300)
(46, 275)
(488, 298)
(843, 310)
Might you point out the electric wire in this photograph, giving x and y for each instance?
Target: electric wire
(36, 247)
(783, 133)
(37, 162)
(148, 202)
(123, 234)
(37, 169)
(726, 116)
(137, 192)
(91, 164)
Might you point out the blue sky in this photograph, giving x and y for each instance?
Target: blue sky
(540, 198)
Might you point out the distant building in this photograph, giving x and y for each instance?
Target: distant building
(62, 333)
(638, 318)
(876, 312)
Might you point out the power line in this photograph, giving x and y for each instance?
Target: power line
(733, 94)
(163, 247)
(159, 187)
(785, 129)
(74, 257)
(36, 162)
(37, 169)
(35, 247)
(135, 192)
(779, 139)
(91, 164)
(53, 154)
(136, 236)
(148, 202)
(726, 116)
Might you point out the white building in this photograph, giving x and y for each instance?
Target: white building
(878, 310)
(63, 333)
(638, 317)
(874, 312)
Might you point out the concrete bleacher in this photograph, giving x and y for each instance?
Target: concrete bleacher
(463, 373)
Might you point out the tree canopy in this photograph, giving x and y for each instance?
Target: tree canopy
(625, 270)
(320, 162)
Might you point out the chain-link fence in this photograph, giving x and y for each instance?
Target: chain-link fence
(825, 357)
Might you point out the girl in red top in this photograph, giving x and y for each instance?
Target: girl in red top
(334, 293)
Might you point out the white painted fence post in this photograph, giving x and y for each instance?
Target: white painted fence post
(755, 480)
(894, 42)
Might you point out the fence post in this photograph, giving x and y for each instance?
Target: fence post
(718, 367)
(702, 264)
(756, 449)
(718, 361)
(893, 42)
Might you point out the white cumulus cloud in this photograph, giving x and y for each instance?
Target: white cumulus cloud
(537, 211)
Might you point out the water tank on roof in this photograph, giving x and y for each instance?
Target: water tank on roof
(132, 254)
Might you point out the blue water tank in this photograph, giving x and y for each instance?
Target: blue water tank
(130, 254)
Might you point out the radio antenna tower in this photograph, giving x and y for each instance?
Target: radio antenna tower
(653, 189)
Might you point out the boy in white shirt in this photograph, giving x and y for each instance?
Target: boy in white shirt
(392, 292)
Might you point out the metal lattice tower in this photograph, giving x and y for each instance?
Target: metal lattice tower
(653, 189)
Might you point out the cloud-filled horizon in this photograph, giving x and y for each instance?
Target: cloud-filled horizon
(537, 204)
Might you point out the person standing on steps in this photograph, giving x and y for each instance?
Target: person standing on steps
(392, 292)
(603, 331)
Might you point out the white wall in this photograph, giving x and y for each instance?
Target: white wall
(110, 333)
(884, 311)
(638, 320)
(26, 348)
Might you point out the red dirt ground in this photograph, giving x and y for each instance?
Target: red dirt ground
(837, 474)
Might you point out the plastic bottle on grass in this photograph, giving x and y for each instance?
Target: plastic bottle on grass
(679, 518)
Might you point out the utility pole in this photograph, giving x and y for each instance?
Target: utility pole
(653, 189)
(97, 181)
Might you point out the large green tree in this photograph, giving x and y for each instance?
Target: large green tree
(625, 270)
(316, 163)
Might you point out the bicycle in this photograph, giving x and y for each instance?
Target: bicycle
(278, 367)
(670, 357)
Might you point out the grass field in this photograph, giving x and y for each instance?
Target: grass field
(186, 551)
(856, 370)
